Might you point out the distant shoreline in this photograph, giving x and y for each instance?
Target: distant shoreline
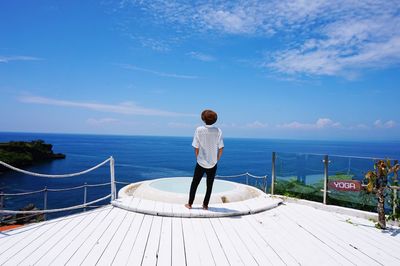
(226, 137)
(26, 153)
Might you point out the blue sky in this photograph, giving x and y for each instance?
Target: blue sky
(271, 69)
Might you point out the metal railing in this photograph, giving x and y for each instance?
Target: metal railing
(260, 182)
(46, 190)
(310, 176)
(262, 186)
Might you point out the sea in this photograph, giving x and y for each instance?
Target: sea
(139, 158)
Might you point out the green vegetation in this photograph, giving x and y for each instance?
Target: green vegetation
(21, 153)
(357, 200)
(378, 185)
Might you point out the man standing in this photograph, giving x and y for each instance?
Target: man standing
(208, 146)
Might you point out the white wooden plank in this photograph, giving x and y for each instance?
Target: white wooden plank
(15, 257)
(168, 208)
(134, 202)
(159, 207)
(228, 246)
(390, 237)
(15, 241)
(243, 236)
(150, 254)
(165, 249)
(125, 248)
(241, 247)
(193, 212)
(313, 243)
(213, 242)
(347, 232)
(38, 250)
(343, 229)
(180, 210)
(191, 249)
(26, 240)
(92, 218)
(203, 248)
(178, 248)
(261, 251)
(146, 206)
(299, 248)
(84, 241)
(136, 255)
(4, 235)
(239, 207)
(272, 239)
(102, 242)
(112, 249)
(328, 237)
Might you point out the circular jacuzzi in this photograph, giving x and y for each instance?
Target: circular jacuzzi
(176, 190)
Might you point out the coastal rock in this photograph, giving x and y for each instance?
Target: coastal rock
(21, 153)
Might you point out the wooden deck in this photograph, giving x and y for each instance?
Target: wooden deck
(290, 234)
(250, 206)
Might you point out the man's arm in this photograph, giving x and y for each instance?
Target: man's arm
(220, 153)
(196, 151)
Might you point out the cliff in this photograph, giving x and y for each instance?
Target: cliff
(21, 153)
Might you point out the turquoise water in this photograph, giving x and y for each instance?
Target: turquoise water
(182, 185)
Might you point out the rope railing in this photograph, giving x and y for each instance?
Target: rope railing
(239, 175)
(22, 193)
(122, 183)
(85, 204)
(57, 189)
(59, 209)
(64, 189)
(44, 211)
(247, 175)
(98, 185)
(55, 176)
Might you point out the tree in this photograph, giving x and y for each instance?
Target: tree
(377, 183)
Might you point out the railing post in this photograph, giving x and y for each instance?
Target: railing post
(112, 174)
(326, 165)
(247, 178)
(273, 173)
(265, 184)
(84, 195)
(1, 200)
(45, 202)
(394, 201)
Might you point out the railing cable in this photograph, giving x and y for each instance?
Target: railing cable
(54, 176)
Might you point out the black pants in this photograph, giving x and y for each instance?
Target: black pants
(198, 174)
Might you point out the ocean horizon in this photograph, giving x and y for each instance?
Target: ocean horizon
(139, 158)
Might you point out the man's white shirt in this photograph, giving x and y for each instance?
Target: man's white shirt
(208, 139)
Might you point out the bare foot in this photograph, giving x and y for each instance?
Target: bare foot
(188, 206)
(205, 207)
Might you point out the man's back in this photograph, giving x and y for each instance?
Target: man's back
(208, 139)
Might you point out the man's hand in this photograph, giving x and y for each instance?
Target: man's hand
(196, 151)
(220, 153)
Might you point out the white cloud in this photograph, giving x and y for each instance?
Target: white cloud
(154, 44)
(256, 124)
(388, 124)
(102, 121)
(157, 73)
(7, 59)
(359, 126)
(180, 125)
(126, 108)
(201, 56)
(320, 37)
(321, 123)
